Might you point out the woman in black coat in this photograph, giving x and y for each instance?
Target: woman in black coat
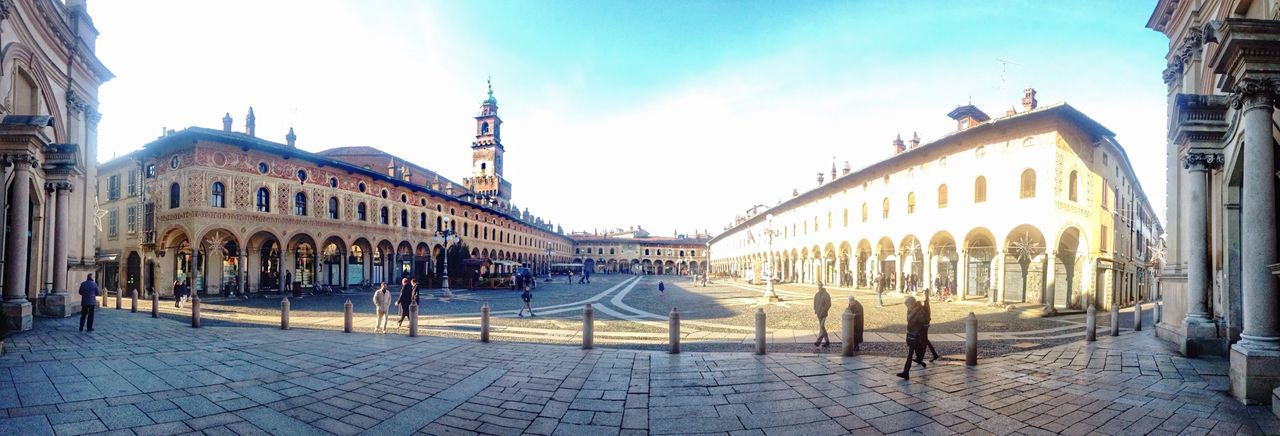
(916, 320)
(404, 300)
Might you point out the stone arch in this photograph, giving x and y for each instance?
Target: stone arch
(1025, 263)
(942, 266)
(1070, 269)
(981, 253)
(380, 262)
(865, 262)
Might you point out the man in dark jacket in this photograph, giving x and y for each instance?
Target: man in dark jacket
(858, 322)
(88, 301)
(915, 327)
(821, 307)
(406, 298)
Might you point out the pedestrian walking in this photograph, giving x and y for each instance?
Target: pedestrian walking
(288, 281)
(879, 280)
(413, 284)
(178, 293)
(662, 288)
(858, 322)
(924, 333)
(88, 301)
(527, 297)
(404, 300)
(915, 327)
(382, 303)
(821, 307)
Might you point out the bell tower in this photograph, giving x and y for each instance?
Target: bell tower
(486, 155)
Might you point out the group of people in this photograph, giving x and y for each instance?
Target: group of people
(822, 307)
(918, 318)
(408, 298)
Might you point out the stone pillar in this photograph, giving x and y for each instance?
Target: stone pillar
(1201, 331)
(1047, 283)
(962, 275)
(16, 307)
(1255, 359)
(58, 303)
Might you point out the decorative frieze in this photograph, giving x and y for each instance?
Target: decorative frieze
(1202, 161)
(1253, 91)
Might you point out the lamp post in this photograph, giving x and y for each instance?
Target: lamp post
(445, 235)
(769, 231)
(547, 267)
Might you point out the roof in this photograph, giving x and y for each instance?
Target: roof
(876, 169)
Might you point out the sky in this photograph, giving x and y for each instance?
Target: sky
(671, 115)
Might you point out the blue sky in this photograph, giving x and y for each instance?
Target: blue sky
(673, 115)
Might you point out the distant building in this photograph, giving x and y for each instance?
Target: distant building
(1038, 206)
(634, 251)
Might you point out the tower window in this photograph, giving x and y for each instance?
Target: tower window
(484, 128)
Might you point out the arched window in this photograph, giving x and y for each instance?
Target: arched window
(300, 204)
(1028, 184)
(911, 203)
(263, 200)
(218, 195)
(333, 208)
(885, 208)
(422, 220)
(864, 212)
(942, 196)
(980, 190)
(846, 218)
(404, 218)
(362, 213)
(26, 95)
(175, 196)
(1071, 187)
(384, 216)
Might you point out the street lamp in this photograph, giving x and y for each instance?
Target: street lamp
(550, 252)
(445, 235)
(769, 231)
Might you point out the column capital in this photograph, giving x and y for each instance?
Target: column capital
(1254, 92)
(59, 186)
(1202, 161)
(21, 160)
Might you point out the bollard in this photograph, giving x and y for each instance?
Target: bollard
(117, 299)
(195, 312)
(588, 325)
(484, 323)
(971, 340)
(284, 313)
(760, 334)
(1091, 324)
(846, 330)
(133, 302)
(346, 317)
(104, 298)
(1155, 312)
(1115, 319)
(673, 330)
(155, 304)
(1137, 316)
(413, 320)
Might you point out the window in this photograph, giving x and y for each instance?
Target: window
(422, 220)
(113, 187)
(113, 219)
(911, 203)
(404, 218)
(174, 162)
(263, 200)
(263, 167)
(1103, 246)
(300, 204)
(885, 208)
(611, 251)
(333, 208)
(174, 196)
(1071, 187)
(646, 252)
(133, 183)
(942, 196)
(404, 198)
(384, 193)
(864, 212)
(218, 195)
(1106, 197)
(846, 217)
(302, 176)
(384, 216)
(1028, 184)
(333, 182)
(980, 190)
(361, 187)
(362, 213)
(830, 223)
(132, 219)
(150, 171)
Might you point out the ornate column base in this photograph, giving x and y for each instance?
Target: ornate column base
(18, 312)
(1255, 366)
(1201, 338)
(58, 304)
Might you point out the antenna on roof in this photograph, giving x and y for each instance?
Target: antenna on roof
(1004, 68)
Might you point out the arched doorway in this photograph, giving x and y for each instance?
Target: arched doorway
(866, 264)
(943, 259)
(1024, 264)
(980, 253)
(887, 260)
(133, 272)
(912, 258)
(264, 258)
(333, 262)
(1068, 270)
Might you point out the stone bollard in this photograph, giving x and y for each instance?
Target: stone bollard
(133, 302)
(1115, 319)
(760, 333)
(346, 316)
(1091, 324)
(155, 304)
(673, 330)
(971, 340)
(1155, 312)
(195, 312)
(847, 320)
(104, 298)
(484, 323)
(117, 299)
(588, 325)
(284, 313)
(413, 320)
(1137, 316)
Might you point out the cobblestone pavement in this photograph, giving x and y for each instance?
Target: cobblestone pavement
(137, 375)
(630, 312)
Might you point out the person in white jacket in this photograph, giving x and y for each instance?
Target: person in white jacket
(382, 301)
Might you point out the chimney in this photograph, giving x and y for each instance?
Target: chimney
(847, 168)
(249, 123)
(226, 122)
(291, 139)
(1029, 99)
(898, 146)
(833, 168)
(795, 192)
(820, 176)
(915, 140)
(1011, 112)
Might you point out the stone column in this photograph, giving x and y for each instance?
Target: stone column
(1200, 330)
(962, 275)
(58, 303)
(1047, 283)
(1255, 359)
(16, 307)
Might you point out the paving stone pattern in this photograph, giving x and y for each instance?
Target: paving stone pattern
(136, 375)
